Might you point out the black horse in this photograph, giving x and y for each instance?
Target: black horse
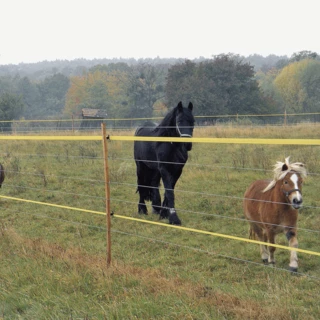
(163, 160)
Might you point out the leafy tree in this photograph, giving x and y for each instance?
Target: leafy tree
(144, 88)
(297, 86)
(310, 80)
(53, 91)
(11, 108)
(263, 63)
(282, 63)
(182, 83)
(218, 86)
(98, 89)
(7, 84)
(301, 55)
(30, 96)
(266, 85)
(121, 66)
(121, 90)
(76, 95)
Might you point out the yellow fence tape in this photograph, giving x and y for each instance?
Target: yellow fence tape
(314, 142)
(61, 138)
(166, 225)
(220, 140)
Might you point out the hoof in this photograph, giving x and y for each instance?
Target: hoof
(143, 212)
(175, 222)
(173, 218)
(164, 214)
(292, 269)
(142, 209)
(265, 261)
(155, 211)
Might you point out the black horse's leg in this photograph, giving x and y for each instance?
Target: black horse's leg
(156, 201)
(144, 192)
(142, 208)
(168, 209)
(164, 212)
(155, 195)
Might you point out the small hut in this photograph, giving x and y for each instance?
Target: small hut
(92, 118)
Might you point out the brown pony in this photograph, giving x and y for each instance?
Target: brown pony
(271, 207)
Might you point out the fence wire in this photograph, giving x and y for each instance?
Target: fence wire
(90, 138)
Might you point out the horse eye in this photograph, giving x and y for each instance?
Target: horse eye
(285, 182)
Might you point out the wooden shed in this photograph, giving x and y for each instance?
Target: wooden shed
(92, 118)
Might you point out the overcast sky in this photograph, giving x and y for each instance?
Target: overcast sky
(37, 30)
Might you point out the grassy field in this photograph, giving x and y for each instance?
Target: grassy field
(53, 260)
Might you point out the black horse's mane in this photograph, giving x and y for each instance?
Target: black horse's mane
(167, 126)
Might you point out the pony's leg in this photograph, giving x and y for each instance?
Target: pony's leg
(264, 250)
(271, 238)
(291, 235)
(256, 231)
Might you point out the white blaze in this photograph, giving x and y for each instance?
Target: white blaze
(294, 178)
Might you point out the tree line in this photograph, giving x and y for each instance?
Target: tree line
(225, 84)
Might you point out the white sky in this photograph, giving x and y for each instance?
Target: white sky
(37, 30)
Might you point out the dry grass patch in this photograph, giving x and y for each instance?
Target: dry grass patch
(135, 281)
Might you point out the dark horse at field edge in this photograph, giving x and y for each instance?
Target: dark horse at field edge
(271, 207)
(164, 161)
(2, 175)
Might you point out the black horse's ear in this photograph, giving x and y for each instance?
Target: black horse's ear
(179, 106)
(284, 167)
(190, 106)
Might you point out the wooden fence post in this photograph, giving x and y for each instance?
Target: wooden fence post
(107, 189)
(285, 117)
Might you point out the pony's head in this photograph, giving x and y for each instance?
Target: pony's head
(184, 120)
(290, 177)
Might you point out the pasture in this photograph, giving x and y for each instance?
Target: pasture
(53, 260)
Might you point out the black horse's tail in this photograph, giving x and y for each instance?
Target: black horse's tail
(145, 192)
(144, 182)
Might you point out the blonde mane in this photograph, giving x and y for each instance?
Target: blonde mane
(280, 173)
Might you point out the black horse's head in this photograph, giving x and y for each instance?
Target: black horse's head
(179, 122)
(184, 120)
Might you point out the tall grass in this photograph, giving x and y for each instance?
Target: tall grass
(53, 261)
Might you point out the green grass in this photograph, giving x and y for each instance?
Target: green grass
(53, 261)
